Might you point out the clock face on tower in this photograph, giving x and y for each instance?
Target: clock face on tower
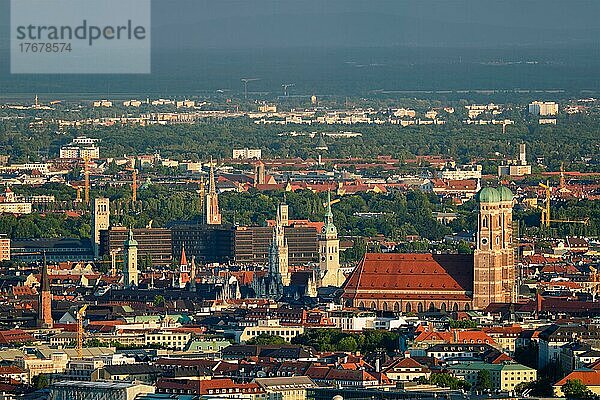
(323, 258)
(484, 241)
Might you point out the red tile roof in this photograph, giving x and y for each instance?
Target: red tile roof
(588, 378)
(15, 336)
(427, 276)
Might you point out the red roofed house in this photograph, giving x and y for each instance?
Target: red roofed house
(447, 282)
(591, 379)
(15, 336)
(406, 369)
(209, 387)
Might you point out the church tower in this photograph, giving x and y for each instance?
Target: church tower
(279, 271)
(329, 252)
(282, 221)
(213, 216)
(193, 274)
(131, 274)
(493, 260)
(45, 300)
(184, 269)
(100, 221)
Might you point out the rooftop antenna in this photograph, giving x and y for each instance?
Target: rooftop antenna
(245, 81)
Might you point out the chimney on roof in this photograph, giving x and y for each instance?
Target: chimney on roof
(407, 354)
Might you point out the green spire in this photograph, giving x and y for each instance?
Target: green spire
(329, 228)
(329, 214)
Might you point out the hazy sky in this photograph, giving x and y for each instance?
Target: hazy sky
(281, 23)
(286, 23)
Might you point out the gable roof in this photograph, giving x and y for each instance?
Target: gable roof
(588, 378)
(430, 276)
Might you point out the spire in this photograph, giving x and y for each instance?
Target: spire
(329, 227)
(45, 299)
(212, 187)
(45, 280)
(329, 214)
(183, 259)
(130, 241)
(193, 274)
(212, 214)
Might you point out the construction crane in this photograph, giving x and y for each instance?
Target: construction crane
(134, 185)
(134, 173)
(285, 87)
(546, 219)
(80, 315)
(113, 261)
(86, 174)
(245, 81)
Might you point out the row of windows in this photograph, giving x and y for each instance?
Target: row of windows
(168, 337)
(419, 308)
(276, 333)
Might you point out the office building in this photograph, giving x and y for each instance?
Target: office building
(247, 154)
(153, 243)
(543, 108)
(207, 243)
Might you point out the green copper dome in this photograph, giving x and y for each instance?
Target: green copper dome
(505, 193)
(488, 195)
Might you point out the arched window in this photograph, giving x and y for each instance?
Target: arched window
(467, 308)
(420, 307)
(431, 307)
(455, 307)
(373, 305)
(361, 305)
(484, 222)
(443, 307)
(408, 308)
(396, 307)
(385, 306)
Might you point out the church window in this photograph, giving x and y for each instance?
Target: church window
(361, 305)
(373, 305)
(420, 307)
(484, 222)
(385, 306)
(396, 307)
(443, 307)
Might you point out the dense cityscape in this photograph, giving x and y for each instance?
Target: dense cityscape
(313, 201)
(255, 275)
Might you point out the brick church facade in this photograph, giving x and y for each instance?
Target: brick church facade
(447, 282)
